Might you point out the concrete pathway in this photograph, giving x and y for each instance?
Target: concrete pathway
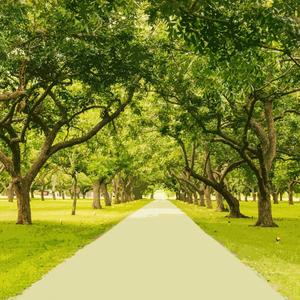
(157, 253)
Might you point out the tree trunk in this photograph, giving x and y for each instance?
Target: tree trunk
(220, 204)
(43, 193)
(239, 197)
(22, 190)
(53, 195)
(281, 196)
(202, 200)
(254, 196)
(106, 195)
(75, 196)
(275, 197)
(96, 195)
(195, 198)
(63, 195)
(265, 218)
(207, 196)
(246, 198)
(32, 193)
(10, 192)
(116, 188)
(291, 193)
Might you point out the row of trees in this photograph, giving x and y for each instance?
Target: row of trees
(217, 80)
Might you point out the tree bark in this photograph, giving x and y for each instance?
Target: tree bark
(10, 192)
(43, 193)
(96, 195)
(280, 196)
(220, 204)
(116, 187)
(22, 190)
(254, 196)
(291, 193)
(106, 195)
(75, 196)
(32, 193)
(207, 196)
(265, 218)
(195, 198)
(275, 197)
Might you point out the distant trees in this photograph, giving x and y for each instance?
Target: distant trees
(212, 88)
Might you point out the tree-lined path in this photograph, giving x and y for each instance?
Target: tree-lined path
(156, 253)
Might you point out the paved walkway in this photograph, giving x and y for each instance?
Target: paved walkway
(157, 253)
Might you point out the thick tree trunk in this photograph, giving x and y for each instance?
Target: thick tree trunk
(96, 195)
(280, 196)
(10, 192)
(265, 218)
(22, 190)
(220, 204)
(207, 196)
(106, 195)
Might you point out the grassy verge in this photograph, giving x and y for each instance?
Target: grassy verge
(28, 252)
(278, 262)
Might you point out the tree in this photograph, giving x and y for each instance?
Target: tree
(59, 62)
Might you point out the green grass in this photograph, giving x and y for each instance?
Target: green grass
(278, 262)
(28, 252)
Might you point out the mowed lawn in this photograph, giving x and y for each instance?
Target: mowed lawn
(28, 252)
(278, 262)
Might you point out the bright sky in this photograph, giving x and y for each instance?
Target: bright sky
(160, 195)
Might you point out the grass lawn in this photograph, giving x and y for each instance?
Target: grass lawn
(28, 252)
(278, 262)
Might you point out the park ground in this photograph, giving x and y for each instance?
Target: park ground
(277, 261)
(28, 252)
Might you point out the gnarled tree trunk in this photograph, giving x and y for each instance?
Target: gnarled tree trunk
(202, 200)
